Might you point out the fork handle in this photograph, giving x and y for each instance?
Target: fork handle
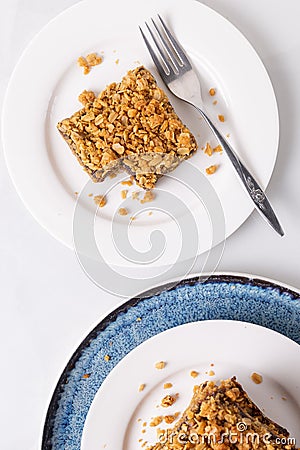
(252, 187)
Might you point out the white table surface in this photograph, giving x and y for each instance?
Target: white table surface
(47, 303)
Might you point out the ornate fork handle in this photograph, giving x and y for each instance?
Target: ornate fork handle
(250, 184)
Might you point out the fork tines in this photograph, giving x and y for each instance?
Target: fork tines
(169, 56)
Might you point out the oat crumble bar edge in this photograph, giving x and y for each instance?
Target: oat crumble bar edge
(130, 126)
(219, 409)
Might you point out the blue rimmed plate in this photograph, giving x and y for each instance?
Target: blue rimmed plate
(221, 297)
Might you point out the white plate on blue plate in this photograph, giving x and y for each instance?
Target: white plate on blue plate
(227, 348)
(45, 86)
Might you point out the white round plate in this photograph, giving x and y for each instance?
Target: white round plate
(229, 348)
(44, 89)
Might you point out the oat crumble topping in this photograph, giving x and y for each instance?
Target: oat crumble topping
(218, 410)
(86, 97)
(129, 126)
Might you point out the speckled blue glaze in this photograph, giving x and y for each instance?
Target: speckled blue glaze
(265, 306)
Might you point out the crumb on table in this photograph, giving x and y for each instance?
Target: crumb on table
(221, 118)
(106, 358)
(168, 385)
(86, 375)
(212, 92)
(211, 373)
(142, 387)
(215, 102)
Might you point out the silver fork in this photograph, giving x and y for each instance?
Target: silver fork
(177, 73)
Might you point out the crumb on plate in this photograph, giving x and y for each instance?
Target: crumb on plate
(218, 149)
(123, 211)
(160, 365)
(168, 400)
(256, 378)
(127, 183)
(156, 421)
(124, 193)
(211, 169)
(100, 200)
(194, 374)
(148, 197)
(92, 59)
(208, 149)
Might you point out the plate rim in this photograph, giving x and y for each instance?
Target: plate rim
(38, 217)
(123, 307)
